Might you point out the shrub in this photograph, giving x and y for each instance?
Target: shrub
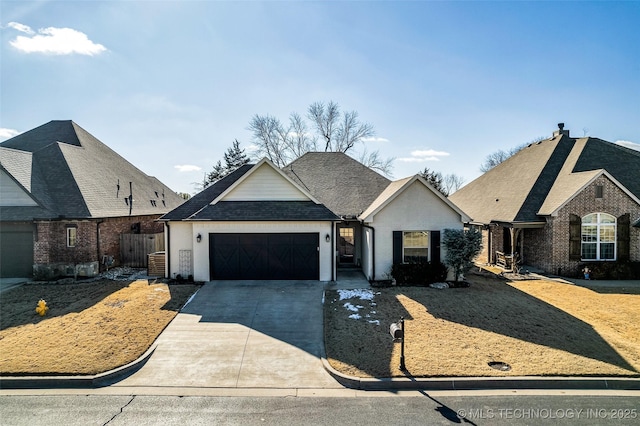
(419, 273)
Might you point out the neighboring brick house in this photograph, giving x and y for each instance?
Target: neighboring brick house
(66, 201)
(559, 204)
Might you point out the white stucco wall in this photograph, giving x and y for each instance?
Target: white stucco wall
(415, 209)
(183, 237)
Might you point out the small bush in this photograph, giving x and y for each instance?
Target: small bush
(419, 273)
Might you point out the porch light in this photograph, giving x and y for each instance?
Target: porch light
(199, 238)
(327, 238)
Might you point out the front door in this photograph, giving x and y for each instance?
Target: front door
(346, 245)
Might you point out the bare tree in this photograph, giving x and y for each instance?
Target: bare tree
(375, 162)
(337, 131)
(500, 155)
(451, 183)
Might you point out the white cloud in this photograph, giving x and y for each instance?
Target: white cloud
(629, 144)
(417, 159)
(20, 27)
(421, 156)
(429, 153)
(55, 41)
(187, 168)
(7, 133)
(374, 139)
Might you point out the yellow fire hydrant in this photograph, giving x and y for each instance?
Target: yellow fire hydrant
(42, 308)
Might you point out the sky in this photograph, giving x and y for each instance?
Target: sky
(169, 85)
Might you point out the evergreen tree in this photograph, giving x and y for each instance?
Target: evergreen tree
(234, 158)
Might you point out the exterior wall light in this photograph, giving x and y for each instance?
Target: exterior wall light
(199, 238)
(327, 238)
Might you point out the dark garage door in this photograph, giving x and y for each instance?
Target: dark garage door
(264, 256)
(16, 251)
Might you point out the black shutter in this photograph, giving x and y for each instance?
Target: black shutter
(623, 237)
(575, 237)
(397, 247)
(435, 246)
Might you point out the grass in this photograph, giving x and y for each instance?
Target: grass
(90, 327)
(538, 327)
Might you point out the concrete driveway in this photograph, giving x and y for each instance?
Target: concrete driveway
(243, 334)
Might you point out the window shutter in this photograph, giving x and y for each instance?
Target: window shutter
(434, 242)
(623, 237)
(575, 235)
(397, 247)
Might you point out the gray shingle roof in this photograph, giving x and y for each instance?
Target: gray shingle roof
(544, 176)
(265, 210)
(344, 185)
(75, 175)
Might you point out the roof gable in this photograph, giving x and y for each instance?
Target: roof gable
(394, 189)
(264, 182)
(543, 177)
(13, 193)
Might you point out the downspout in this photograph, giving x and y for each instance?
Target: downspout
(167, 249)
(333, 251)
(98, 241)
(373, 250)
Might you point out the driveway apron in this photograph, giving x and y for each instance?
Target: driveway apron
(243, 334)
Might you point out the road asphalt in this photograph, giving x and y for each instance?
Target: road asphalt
(248, 337)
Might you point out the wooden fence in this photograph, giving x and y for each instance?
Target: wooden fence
(134, 248)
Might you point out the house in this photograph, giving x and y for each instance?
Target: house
(322, 211)
(67, 201)
(558, 204)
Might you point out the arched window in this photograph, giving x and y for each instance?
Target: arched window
(598, 237)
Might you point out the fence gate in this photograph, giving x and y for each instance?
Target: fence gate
(134, 248)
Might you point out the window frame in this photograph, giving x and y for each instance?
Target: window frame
(600, 233)
(71, 236)
(426, 247)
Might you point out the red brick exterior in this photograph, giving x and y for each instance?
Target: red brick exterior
(94, 238)
(548, 248)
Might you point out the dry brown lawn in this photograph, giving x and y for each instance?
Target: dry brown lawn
(538, 327)
(90, 327)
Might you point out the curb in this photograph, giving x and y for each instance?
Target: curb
(69, 382)
(482, 383)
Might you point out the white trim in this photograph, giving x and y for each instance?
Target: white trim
(367, 216)
(251, 171)
(589, 182)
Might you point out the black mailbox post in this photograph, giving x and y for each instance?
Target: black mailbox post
(397, 332)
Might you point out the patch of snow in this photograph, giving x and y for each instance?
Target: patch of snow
(350, 307)
(362, 294)
(376, 322)
(355, 316)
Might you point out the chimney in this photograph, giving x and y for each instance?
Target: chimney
(561, 131)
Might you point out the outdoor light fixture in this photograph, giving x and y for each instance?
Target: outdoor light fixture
(199, 238)
(327, 238)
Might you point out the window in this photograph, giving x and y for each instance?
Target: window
(71, 237)
(598, 237)
(415, 246)
(599, 191)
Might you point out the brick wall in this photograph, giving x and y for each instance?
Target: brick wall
(548, 249)
(50, 246)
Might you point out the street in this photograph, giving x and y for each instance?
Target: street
(438, 408)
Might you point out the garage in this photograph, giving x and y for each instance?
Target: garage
(16, 250)
(264, 256)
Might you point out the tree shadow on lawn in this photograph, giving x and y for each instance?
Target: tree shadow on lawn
(17, 305)
(503, 309)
